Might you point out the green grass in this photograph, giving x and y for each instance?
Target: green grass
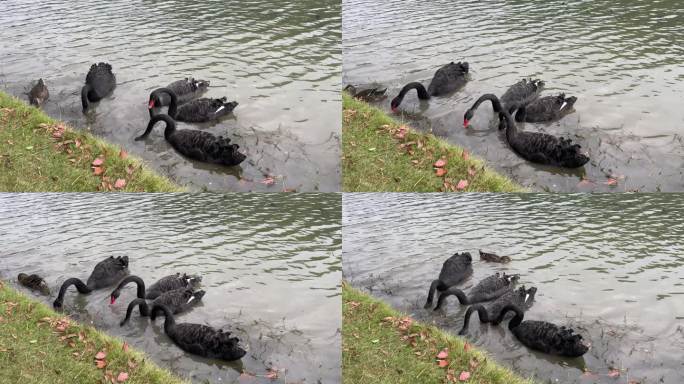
(38, 345)
(379, 154)
(381, 345)
(39, 154)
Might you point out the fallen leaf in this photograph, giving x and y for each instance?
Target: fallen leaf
(120, 183)
(471, 171)
(125, 347)
(611, 182)
(462, 184)
(465, 155)
(442, 363)
(439, 163)
(272, 375)
(123, 376)
(464, 376)
(100, 364)
(123, 154)
(100, 355)
(467, 347)
(614, 373)
(97, 162)
(440, 172)
(97, 171)
(443, 354)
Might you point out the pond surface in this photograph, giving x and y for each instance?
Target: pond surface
(611, 266)
(623, 59)
(270, 264)
(280, 60)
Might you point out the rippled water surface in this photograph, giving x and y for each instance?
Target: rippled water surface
(623, 59)
(609, 265)
(279, 60)
(270, 267)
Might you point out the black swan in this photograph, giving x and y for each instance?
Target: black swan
(185, 90)
(194, 111)
(179, 300)
(105, 274)
(487, 289)
(34, 282)
(447, 79)
(38, 94)
(200, 339)
(536, 147)
(165, 284)
(454, 270)
(521, 94)
(366, 93)
(198, 145)
(549, 108)
(521, 297)
(100, 82)
(544, 336)
(494, 258)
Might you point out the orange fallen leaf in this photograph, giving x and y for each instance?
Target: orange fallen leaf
(97, 162)
(442, 363)
(123, 376)
(443, 354)
(123, 154)
(465, 155)
(268, 181)
(439, 163)
(462, 184)
(100, 364)
(611, 182)
(440, 172)
(467, 347)
(100, 355)
(125, 347)
(97, 171)
(614, 373)
(119, 183)
(464, 376)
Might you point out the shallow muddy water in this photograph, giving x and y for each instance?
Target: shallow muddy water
(270, 265)
(609, 265)
(279, 60)
(623, 59)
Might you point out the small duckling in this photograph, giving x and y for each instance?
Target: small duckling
(39, 94)
(34, 282)
(366, 93)
(494, 258)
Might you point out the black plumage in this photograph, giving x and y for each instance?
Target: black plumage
(165, 284)
(105, 274)
(194, 111)
(200, 339)
(454, 270)
(447, 79)
(544, 336)
(178, 300)
(197, 145)
(545, 109)
(536, 147)
(521, 94)
(487, 289)
(523, 298)
(185, 90)
(100, 82)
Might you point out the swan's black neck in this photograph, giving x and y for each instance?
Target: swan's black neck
(456, 292)
(173, 106)
(144, 309)
(137, 280)
(168, 131)
(80, 286)
(515, 321)
(84, 96)
(482, 313)
(169, 321)
(422, 92)
(498, 108)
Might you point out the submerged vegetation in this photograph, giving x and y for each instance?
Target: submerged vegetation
(40, 154)
(381, 345)
(379, 154)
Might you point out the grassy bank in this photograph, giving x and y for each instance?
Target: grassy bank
(380, 345)
(39, 154)
(38, 345)
(380, 154)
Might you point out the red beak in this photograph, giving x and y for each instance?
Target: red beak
(112, 300)
(151, 105)
(465, 123)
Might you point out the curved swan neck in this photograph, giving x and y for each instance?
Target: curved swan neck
(455, 292)
(137, 280)
(80, 286)
(515, 321)
(173, 106)
(84, 96)
(170, 126)
(169, 321)
(481, 312)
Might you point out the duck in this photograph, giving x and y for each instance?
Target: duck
(447, 79)
(544, 336)
(197, 145)
(100, 82)
(522, 297)
(39, 94)
(105, 274)
(366, 93)
(34, 282)
(494, 258)
(546, 109)
(540, 148)
(521, 94)
(199, 339)
(454, 270)
(487, 289)
(178, 300)
(165, 284)
(195, 111)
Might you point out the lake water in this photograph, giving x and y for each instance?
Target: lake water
(623, 59)
(271, 267)
(280, 60)
(608, 265)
